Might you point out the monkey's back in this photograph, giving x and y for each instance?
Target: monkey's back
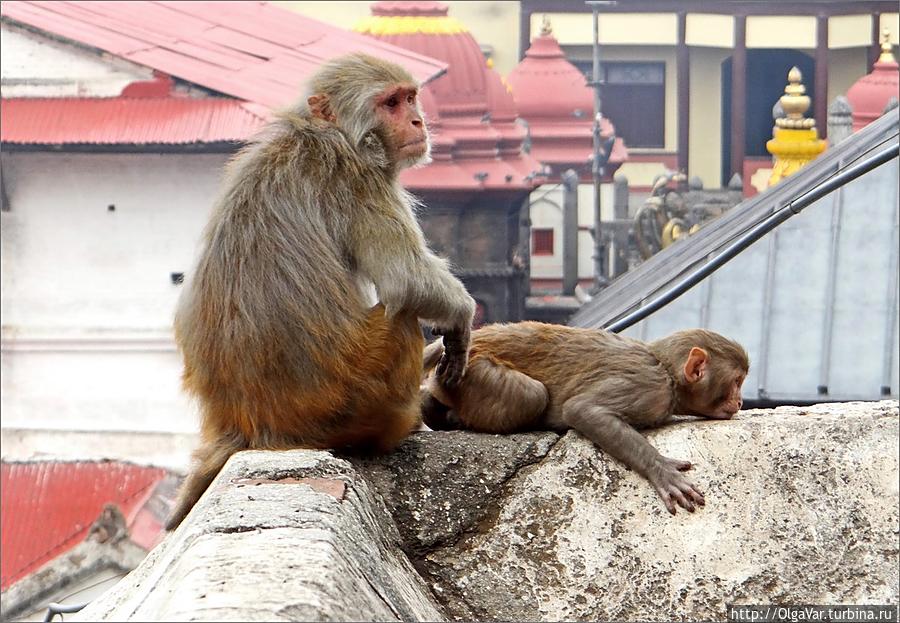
(272, 320)
(566, 359)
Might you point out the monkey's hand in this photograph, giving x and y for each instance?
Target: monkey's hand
(452, 366)
(672, 486)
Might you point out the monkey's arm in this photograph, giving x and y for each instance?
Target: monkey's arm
(390, 249)
(618, 438)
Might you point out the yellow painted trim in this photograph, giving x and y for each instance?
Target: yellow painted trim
(615, 28)
(706, 115)
(710, 30)
(642, 173)
(781, 31)
(849, 31)
(382, 25)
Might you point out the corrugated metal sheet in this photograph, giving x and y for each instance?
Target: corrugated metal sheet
(249, 50)
(60, 121)
(46, 508)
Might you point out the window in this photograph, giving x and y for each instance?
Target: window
(633, 97)
(542, 242)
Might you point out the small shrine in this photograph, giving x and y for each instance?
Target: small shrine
(796, 140)
(552, 96)
(870, 94)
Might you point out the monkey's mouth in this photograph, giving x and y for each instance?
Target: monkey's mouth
(417, 143)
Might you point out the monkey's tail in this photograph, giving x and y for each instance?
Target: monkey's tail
(208, 461)
(431, 355)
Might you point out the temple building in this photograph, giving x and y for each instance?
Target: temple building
(556, 104)
(690, 84)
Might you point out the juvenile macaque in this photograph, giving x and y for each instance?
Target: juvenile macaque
(282, 344)
(531, 376)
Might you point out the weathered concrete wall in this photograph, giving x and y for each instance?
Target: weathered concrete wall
(280, 536)
(802, 508)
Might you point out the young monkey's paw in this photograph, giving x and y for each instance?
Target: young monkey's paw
(673, 488)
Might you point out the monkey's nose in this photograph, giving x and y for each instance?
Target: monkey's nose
(417, 122)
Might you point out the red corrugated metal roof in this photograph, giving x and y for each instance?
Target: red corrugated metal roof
(46, 508)
(249, 50)
(121, 120)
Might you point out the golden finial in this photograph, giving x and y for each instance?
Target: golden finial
(795, 103)
(546, 28)
(887, 51)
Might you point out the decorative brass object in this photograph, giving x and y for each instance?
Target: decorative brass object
(796, 140)
(887, 50)
(795, 103)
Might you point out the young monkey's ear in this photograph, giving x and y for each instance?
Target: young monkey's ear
(695, 366)
(320, 108)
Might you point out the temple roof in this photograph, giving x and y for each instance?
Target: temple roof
(870, 94)
(551, 94)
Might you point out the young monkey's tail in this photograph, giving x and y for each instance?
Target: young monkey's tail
(208, 461)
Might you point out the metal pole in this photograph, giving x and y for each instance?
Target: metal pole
(570, 232)
(600, 259)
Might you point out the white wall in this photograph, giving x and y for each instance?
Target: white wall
(546, 213)
(87, 299)
(36, 66)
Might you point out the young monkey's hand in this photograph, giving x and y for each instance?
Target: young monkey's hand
(452, 366)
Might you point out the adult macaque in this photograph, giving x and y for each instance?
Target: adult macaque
(282, 344)
(530, 376)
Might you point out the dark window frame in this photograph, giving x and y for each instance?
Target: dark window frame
(630, 105)
(543, 241)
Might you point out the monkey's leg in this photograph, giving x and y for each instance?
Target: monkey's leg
(386, 405)
(619, 439)
(494, 398)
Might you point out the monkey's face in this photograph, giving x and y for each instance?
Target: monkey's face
(720, 396)
(398, 114)
(726, 398)
(710, 386)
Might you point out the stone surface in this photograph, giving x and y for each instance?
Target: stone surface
(280, 536)
(802, 508)
(442, 485)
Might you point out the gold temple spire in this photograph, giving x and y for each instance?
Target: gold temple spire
(795, 103)
(546, 28)
(887, 50)
(796, 140)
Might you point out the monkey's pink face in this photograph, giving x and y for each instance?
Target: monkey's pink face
(397, 109)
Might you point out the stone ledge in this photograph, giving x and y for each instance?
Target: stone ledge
(802, 508)
(279, 536)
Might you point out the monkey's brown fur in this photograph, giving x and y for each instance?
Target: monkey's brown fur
(281, 343)
(530, 376)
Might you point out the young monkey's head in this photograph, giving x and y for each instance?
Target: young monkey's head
(709, 371)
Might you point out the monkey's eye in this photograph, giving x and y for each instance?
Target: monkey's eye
(391, 102)
(411, 99)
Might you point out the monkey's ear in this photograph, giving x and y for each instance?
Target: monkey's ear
(320, 108)
(695, 366)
